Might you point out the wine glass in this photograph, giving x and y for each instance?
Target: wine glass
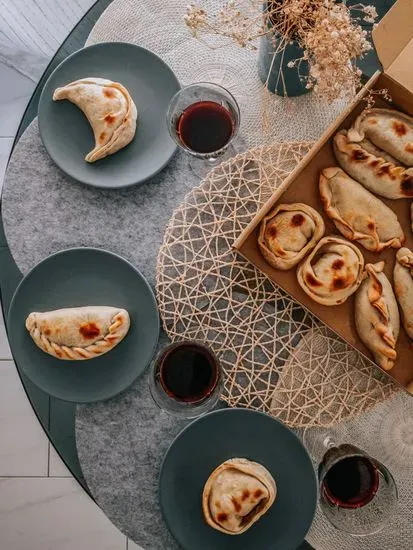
(358, 494)
(186, 379)
(203, 119)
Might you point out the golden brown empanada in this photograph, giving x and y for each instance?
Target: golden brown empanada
(388, 129)
(379, 176)
(236, 495)
(357, 213)
(288, 233)
(332, 272)
(377, 316)
(109, 109)
(403, 287)
(78, 332)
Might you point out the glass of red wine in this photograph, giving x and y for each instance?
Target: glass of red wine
(203, 119)
(358, 494)
(186, 379)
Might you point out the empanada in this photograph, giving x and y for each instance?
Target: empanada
(332, 272)
(403, 287)
(236, 495)
(377, 316)
(378, 175)
(78, 332)
(109, 109)
(288, 233)
(388, 129)
(357, 213)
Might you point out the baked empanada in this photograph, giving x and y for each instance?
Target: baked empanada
(377, 316)
(78, 332)
(357, 213)
(236, 495)
(378, 175)
(109, 109)
(388, 129)
(332, 272)
(403, 287)
(288, 233)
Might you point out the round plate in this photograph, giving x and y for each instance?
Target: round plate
(242, 433)
(67, 134)
(82, 277)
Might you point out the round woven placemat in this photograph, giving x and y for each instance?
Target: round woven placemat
(277, 356)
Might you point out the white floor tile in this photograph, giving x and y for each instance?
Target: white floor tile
(133, 546)
(53, 514)
(57, 467)
(5, 352)
(5, 148)
(23, 443)
(16, 91)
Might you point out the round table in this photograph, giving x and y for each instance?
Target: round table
(58, 417)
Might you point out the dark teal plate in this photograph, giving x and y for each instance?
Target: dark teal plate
(68, 137)
(81, 277)
(242, 433)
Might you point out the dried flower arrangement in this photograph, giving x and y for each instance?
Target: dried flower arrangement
(329, 33)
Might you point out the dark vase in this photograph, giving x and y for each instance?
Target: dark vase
(274, 71)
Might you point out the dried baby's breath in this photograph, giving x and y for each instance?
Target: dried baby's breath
(329, 33)
(371, 95)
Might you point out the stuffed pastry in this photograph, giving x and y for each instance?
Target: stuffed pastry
(332, 272)
(403, 287)
(236, 495)
(109, 109)
(78, 332)
(288, 233)
(357, 213)
(388, 129)
(377, 316)
(378, 175)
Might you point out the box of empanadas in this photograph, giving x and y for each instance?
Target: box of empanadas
(337, 234)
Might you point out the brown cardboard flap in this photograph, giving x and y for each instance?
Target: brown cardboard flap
(393, 41)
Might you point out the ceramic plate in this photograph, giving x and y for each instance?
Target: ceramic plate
(80, 277)
(231, 433)
(68, 137)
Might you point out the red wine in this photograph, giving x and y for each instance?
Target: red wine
(205, 127)
(188, 372)
(352, 482)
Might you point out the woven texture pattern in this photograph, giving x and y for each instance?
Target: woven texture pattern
(277, 356)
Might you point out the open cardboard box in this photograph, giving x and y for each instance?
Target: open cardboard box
(393, 38)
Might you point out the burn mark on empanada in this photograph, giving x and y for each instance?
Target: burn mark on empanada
(222, 516)
(359, 155)
(338, 283)
(371, 226)
(245, 494)
(400, 128)
(237, 505)
(375, 163)
(89, 330)
(297, 220)
(47, 331)
(257, 493)
(409, 147)
(272, 232)
(385, 169)
(338, 264)
(109, 119)
(102, 136)
(311, 280)
(372, 121)
(407, 185)
(109, 92)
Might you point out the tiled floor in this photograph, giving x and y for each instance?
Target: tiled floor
(41, 506)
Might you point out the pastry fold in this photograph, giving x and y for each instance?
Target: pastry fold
(236, 495)
(79, 332)
(377, 316)
(403, 287)
(110, 110)
(358, 214)
(388, 129)
(288, 233)
(332, 272)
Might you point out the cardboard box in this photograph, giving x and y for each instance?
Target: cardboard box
(393, 39)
